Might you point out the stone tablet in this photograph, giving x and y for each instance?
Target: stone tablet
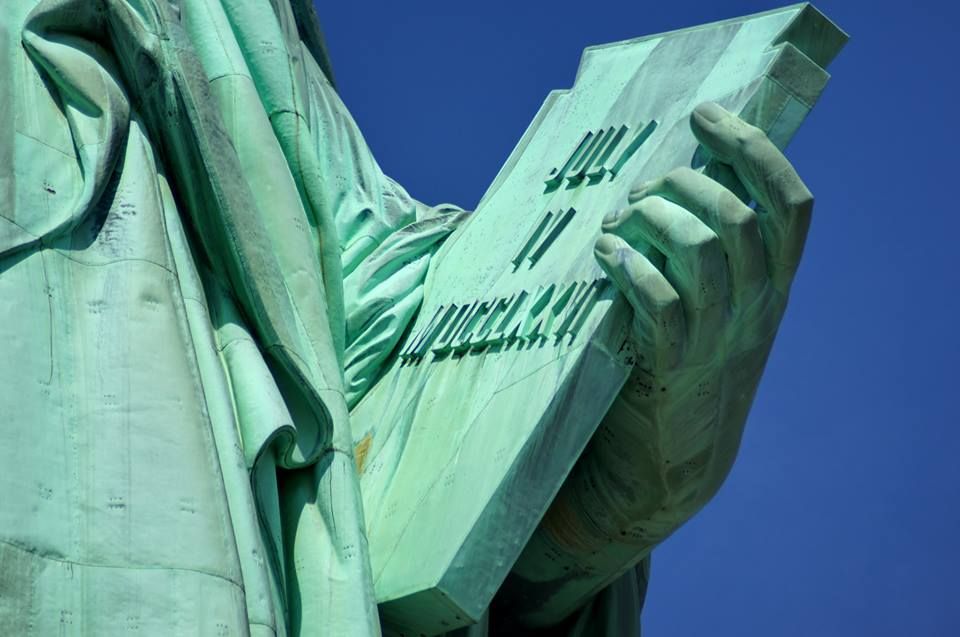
(520, 345)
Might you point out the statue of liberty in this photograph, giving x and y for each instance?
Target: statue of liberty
(203, 270)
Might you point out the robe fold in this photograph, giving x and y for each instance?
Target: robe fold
(202, 269)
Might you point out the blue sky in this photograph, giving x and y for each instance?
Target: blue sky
(842, 515)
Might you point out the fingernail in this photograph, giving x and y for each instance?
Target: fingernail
(710, 111)
(612, 216)
(605, 245)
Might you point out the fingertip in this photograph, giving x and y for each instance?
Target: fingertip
(607, 245)
(605, 250)
(699, 124)
(706, 134)
(639, 192)
(710, 112)
(714, 129)
(612, 217)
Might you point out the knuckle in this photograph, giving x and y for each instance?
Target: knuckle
(801, 201)
(729, 202)
(740, 219)
(703, 242)
(732, 210)
(665, 302)
(660, 295)
(704, 254)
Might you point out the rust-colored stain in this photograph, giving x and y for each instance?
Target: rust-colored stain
(565, 525)
(361, 450)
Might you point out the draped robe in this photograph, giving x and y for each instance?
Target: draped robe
(202, 269)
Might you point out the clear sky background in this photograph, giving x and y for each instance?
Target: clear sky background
(842, 515)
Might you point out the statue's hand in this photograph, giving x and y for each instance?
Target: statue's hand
(708, 279)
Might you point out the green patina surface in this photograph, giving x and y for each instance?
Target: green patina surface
(251, 386)
(521, 345)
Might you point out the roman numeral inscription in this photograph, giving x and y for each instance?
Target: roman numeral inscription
(542, 237)
(596, 156)
(553, 311)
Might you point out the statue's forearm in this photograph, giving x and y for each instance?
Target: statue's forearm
(659, 455)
